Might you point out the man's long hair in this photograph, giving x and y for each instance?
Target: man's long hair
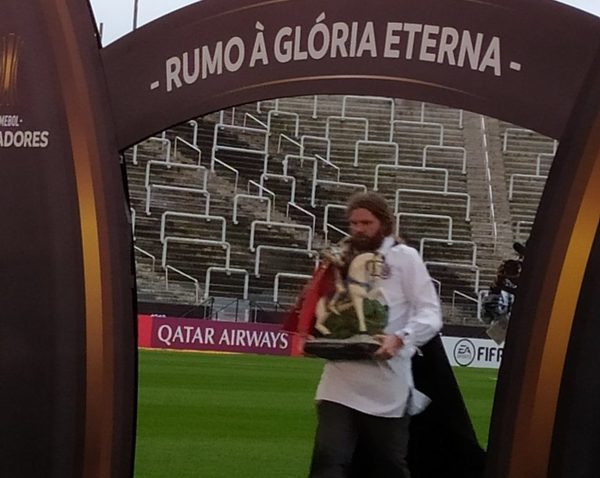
(377, 205)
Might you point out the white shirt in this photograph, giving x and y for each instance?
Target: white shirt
(385, 388)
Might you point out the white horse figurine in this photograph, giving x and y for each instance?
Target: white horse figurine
(359, 285)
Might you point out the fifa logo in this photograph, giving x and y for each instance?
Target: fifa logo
(9, 65)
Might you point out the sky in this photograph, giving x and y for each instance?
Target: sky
(116, 16)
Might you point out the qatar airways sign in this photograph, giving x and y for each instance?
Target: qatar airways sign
(210, 335)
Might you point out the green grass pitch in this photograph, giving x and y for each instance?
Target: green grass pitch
(243, 416)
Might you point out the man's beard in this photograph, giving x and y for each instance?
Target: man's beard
(362, 243)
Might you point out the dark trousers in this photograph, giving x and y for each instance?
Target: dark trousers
(343, 433)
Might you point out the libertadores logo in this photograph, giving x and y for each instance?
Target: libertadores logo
(9, 65)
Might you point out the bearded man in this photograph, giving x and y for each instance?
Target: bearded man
(369, 402)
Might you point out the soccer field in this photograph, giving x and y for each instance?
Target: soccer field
(244, 416)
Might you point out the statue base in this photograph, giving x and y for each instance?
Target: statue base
(357, 347)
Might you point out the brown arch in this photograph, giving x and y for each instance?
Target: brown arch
(96, 102)
(525, 97)
(552, 54)
(549, 92)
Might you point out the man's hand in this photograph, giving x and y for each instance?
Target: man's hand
(390, 344)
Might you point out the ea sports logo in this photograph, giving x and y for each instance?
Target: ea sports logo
(464, 352)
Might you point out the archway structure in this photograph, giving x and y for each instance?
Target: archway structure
(67, 107)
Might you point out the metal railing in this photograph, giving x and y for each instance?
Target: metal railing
(228, 271)
(379, 167)
(236, 173)
(326, 213)
(202, 242)
(262, 189)
(538, 162)
(222, 117)
(347, 118)
(163, 141)
(316, 174)
(194, 148)
(315, 106)
(467, 267)
(270, 224)
(194, 124)
(309, 253)
(296, 116)
(191, 167)
(327, 162)
(471, 244)
(513, 177)
(286, 179)
(327, 225)
(147, 254)
(418, 123)
(464, 196)
(527, 132)
(256, 120)
(371, 99)
(289, 275)
(259, 107)
(460, 149)
(335, 229)
(161, 187)
(375, 143)
(425, 216)
(289, 140)
(237, 197)
(343, 184)
(460, 115)
(458, 293)
(235, 149)
(264, 134)
(303, 211)
(207, 218)
(327, 141)
(289, 157)
(276, 107)
(186, 276)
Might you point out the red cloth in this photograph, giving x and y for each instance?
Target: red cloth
(301, 318)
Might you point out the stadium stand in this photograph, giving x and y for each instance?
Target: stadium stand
(230, 209)
(527, 158)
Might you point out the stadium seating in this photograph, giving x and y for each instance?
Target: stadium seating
(234, 206)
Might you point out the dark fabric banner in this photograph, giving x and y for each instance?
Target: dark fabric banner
(67, 328)
(41, 328)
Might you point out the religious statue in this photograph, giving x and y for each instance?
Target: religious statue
(343, 305)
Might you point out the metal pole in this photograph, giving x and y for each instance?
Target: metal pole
(135, 13)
